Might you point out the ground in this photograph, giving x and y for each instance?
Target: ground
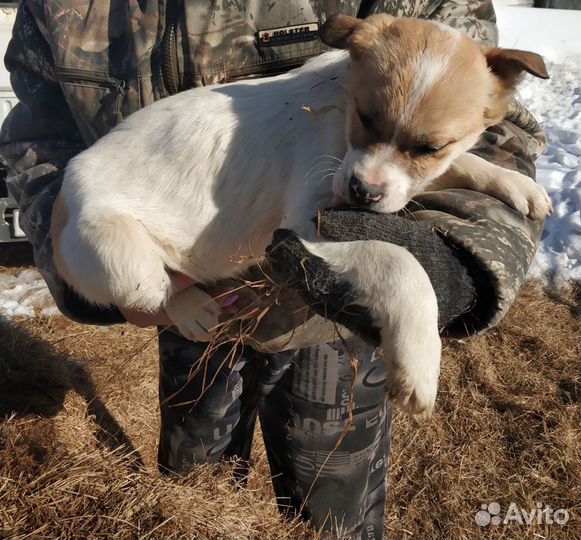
(78, 439)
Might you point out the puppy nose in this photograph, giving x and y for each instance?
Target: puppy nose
(363, 193)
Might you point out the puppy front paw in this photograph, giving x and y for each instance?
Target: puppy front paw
(523, 194)
(195, 314)
(540, 205)
(413, 369)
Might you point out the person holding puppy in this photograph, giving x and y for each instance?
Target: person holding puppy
(79, 68)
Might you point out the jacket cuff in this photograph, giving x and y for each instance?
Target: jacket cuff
(77, 309)
(498, 242)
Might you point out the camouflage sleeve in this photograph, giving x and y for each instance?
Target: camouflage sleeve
(500, 244)
(476, 18)
(500, 240)
(37, 139)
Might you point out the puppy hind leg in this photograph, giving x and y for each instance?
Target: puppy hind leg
(396, 290)
(112, 260)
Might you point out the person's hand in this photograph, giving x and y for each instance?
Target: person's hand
(181, 282)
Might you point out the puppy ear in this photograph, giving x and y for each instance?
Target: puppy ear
(337, 30)
(509, 64)
(508, 67)
(357, 35)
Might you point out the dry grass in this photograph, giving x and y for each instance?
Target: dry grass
(507, 429)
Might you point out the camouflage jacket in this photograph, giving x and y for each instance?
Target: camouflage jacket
(78, 67)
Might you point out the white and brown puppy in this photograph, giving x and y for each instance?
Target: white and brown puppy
(200, 180)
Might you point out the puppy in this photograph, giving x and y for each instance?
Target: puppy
(200, 180)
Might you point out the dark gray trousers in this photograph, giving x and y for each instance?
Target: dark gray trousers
(301, 399)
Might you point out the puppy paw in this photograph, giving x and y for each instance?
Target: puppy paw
(412, 377)
(540, 205)
(397, 293)
(523, 194)
(194, 313)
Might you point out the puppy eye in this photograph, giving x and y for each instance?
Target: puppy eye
(366, 121)
(425, 149)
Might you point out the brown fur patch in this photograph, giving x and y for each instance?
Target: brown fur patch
(337, 30)
(508, 67)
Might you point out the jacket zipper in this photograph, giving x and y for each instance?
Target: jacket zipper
(169, 53)
(100, 79)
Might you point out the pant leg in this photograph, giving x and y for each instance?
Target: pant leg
(210, 415)
(303, 410)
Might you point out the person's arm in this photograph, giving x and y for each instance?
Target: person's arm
(37, 139)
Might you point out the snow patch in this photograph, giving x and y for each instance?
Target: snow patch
(556, 104)
(25, 295)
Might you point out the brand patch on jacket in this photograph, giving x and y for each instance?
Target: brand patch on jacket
(286, 35)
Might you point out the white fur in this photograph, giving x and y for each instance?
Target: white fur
(430, 69)
(518, 191)
(375, 169)
(198, 325)
(203, 176)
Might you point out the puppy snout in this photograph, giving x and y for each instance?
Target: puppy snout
(363, 193)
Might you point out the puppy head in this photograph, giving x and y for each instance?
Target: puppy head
(420, 94)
